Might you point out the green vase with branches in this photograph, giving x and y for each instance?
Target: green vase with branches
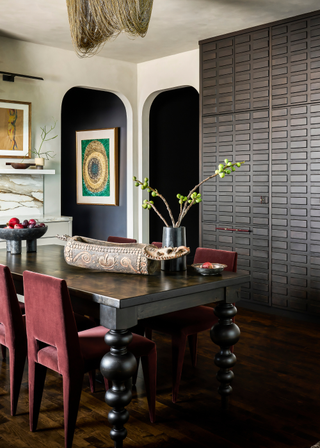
(186, 202)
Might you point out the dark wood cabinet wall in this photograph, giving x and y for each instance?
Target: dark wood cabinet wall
(260, 102)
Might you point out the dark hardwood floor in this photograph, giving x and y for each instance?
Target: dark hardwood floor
(275, 403)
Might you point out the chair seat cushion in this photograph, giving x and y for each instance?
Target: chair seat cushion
(189, 321)
(141, 346)
(92, 346)
(48, 357)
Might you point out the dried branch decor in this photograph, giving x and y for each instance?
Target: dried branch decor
(186, 202)
(45, 138)
(93, 22)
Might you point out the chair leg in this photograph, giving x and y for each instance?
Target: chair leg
(135, 375)
(17, 361)
(71, 399)
(37, 376)
(193, 346)
(92, 380)
(3, 351)
(149, 366)
(178, 351)
(107, 384)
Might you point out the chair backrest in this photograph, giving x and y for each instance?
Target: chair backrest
(50, 320)
(157, 243)
(10, 313)
(120, 239)
(227, 257)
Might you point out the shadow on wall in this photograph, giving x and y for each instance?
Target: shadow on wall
(87, 109)
(174, 158)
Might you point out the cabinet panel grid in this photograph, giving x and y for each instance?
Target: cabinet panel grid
(261, 104)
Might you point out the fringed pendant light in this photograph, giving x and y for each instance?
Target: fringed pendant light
(93, 22)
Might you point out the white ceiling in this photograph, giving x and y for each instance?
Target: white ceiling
(176, 25)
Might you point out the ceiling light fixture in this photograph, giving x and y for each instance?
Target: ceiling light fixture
(93, 22)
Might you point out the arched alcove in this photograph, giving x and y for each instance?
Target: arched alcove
(174, 157)
(88, 109)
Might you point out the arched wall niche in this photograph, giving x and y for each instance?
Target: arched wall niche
(170, 156)
(84, 108)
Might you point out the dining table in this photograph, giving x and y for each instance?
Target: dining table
(119, 301)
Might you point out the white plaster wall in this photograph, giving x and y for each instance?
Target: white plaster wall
(62, 70)
(136, 85)
(154, 77)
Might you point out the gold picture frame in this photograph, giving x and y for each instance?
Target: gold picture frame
(97, 167)
(15, 129)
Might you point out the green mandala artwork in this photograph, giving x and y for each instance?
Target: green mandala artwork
(95, 167)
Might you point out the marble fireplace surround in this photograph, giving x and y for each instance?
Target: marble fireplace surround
(21, 191)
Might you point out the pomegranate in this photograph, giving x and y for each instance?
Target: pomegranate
(13, 221)
(207, 265)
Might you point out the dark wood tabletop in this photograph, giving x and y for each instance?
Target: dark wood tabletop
(113, 289)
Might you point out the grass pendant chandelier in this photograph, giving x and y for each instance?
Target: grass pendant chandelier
(93, 22)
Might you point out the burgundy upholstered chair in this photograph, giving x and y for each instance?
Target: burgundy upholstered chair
(120, 239)
(54, 343)
(82, 322)
(157, 243)
(186, 324)
(12, 334)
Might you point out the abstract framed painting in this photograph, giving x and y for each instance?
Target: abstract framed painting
(15, 129)
(97, 167)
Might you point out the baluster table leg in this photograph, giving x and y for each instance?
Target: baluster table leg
(225, 334)
(118, 366)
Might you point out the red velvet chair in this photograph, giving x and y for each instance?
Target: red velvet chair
(186, 324)
(157, 243)
(12, 334)
(82, 322)
(53, 342)
(120, 239)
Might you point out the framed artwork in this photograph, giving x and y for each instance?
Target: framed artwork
(15, 129)
(97, 167)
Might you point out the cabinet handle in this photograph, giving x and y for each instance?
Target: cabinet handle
(232, 230)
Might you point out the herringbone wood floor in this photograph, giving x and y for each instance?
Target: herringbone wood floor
(275, 404)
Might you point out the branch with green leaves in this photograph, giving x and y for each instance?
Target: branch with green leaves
(186, 202)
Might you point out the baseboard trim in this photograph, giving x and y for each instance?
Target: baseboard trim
(278, 311)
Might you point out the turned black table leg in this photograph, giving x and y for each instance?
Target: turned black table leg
(225, 334)
(118, 366)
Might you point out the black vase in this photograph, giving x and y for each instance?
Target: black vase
(174, 237)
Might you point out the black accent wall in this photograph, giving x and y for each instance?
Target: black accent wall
(260, 102)
(86, 109)
(174, 158)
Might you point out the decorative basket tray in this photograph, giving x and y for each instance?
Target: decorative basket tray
(126, 258)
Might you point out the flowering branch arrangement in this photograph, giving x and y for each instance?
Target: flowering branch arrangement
(186, 202)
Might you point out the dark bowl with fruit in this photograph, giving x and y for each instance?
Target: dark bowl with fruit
(208, 268)
(25, 230)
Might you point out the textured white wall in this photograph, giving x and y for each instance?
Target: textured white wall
(61, 70)
(154, 77)
(136, 85)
